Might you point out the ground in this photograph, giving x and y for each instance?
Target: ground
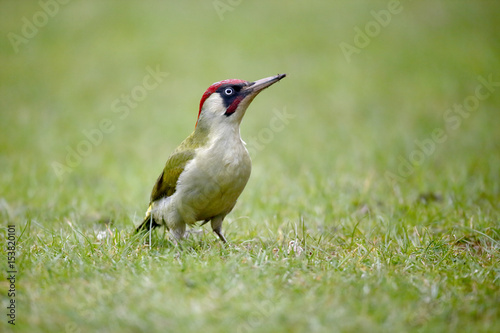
(373, 204)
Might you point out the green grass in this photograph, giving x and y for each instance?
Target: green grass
(419, 254)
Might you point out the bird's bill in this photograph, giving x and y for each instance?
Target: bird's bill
(255, 87)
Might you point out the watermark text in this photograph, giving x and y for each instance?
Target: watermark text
(11, 273)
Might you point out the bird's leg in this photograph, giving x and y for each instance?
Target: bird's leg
(179, 231)
(216, 227)
(221, 236)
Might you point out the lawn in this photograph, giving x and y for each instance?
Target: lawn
(374, 199)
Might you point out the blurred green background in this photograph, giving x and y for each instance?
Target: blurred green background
(353, 118)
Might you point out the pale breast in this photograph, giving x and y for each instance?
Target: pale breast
(214, 180)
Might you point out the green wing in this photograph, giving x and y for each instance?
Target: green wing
(166, 184)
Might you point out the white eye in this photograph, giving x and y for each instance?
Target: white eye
(228, 91)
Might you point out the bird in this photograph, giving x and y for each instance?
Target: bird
(204, 176)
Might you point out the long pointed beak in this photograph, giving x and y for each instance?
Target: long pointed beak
(255, 87)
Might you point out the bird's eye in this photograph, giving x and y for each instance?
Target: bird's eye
(229, 91)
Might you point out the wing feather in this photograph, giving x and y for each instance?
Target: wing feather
(167, 182)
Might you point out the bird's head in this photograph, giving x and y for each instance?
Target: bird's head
(225, 102)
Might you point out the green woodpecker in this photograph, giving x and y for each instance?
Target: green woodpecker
(206, 174)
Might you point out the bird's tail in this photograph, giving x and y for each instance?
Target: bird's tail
(148, 223)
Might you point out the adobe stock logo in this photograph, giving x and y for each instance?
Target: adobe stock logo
(372, 29)
(222, 6)
(277, 123)
(453, 118)
(121, 108)
(40, 19)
